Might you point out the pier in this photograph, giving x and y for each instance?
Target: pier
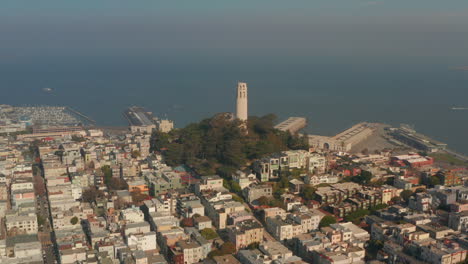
(81, 115)
(292, 124)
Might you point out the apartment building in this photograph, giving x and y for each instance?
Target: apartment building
(245, 233)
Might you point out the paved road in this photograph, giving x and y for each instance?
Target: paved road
(42, 209)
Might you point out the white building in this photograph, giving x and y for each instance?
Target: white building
(458, 221)
(142, 241)
(165, 125)
(213, 182)
(319, 179)
(421, 202)
(132, 215)
(135, 228)
(242, 103)
(23, 223)
(243, 179)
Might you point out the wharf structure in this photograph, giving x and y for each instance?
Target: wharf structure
(292, 124)
(345, 140)
(143, 121)
(410, 137)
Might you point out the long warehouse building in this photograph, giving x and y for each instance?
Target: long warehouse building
(292, 124)
(345, 140)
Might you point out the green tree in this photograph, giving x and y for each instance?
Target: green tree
(218, 141)
(117, 184)
(76, 138)
(91, 195)
(209, 233)
(235, 187)
(263, 200)
(434, 180)
(226, 249)
(378, 207)
(59, 153)
(373, 247)
(327, 221)
(253, 245)
(227, 184)
(308, 192)
(226, 171)
(263, 126)
(406, 194)
(40, 220)
(159, 141)
(138, 197)
(232, 153)
(356, 216)
(277, 192)
(276, 203)
(174, 153)
(298, 142)
(74, 220)
(237, 199)
(107, 171)
(283, 182)
(363, 178)
(136, 154)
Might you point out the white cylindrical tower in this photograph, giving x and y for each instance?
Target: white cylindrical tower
(241, 110)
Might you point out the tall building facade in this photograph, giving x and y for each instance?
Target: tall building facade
(241, 110)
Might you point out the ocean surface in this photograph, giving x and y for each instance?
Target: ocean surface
(332, 92)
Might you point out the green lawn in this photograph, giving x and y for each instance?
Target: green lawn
(445, 157)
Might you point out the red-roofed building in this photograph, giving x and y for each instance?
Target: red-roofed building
(411, 160)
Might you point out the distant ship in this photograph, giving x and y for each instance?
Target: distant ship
(47, 90)
(459, 108)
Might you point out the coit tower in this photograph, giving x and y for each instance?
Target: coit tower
(241, 110)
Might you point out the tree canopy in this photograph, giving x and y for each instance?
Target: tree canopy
(74, 220)
(221, 141)
(363, 178)
(308, 192)
(327, 221)
(356, 216)
(226, 248)
(406, 194)
(209, 233)
(90, 195)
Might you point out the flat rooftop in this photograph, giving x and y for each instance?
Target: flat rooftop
(352, 131)
(292, 123)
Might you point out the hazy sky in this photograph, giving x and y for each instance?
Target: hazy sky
(337, 59)
(371, 29)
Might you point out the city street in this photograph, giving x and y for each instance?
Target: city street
(42, 209)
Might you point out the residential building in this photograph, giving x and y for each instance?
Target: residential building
(458, 221)
(245, 233)
(254, 192)
(213, 182)
(420, 202)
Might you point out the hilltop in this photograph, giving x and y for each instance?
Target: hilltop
(219, 143)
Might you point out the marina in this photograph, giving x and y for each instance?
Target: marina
(46, 116)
